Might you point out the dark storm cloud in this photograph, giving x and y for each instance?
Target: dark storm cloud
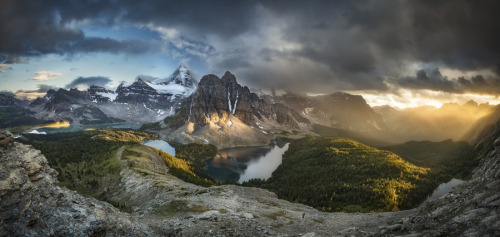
(37, 28)
(434, 80)
(431, 81)
(89, 81)
(339, 45)
(226, 18)
(34, 28)
(364, 41)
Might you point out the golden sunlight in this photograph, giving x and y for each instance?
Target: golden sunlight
(403, 99)
(59, 124)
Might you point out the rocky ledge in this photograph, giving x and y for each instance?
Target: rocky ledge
(31, 203)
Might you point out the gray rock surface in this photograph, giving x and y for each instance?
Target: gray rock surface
(31, 203)
(216, 98)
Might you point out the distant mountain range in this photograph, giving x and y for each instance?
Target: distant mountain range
(225, 113)
(146, 100)
(450, 121)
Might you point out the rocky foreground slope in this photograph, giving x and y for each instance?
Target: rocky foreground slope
(32, 204)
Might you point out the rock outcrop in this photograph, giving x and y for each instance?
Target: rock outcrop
(217, 98)
(224, 113)
(31, 203)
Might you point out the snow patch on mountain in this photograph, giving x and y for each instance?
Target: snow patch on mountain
(235, 103)
(171, 89)
(111, 96)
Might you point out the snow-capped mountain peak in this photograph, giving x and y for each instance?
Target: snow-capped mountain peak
(156, 92)
(183, 76)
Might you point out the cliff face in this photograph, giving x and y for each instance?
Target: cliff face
(32, 204)
(218, 98)
(226, 114)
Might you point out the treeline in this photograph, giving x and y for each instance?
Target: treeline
(184, 169)
(84, 158)
(150, 126)
(338, 174)
(197, 154)
(446, 159)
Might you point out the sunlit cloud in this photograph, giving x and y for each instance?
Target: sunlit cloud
(45, 76)
(30, 95)
(2, 66)
(33, 94)
(406, 98)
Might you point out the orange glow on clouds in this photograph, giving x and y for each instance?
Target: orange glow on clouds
(414, 98)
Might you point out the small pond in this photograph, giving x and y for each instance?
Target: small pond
(444, 188)
(160, 145)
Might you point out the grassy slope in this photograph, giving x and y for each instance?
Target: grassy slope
(87, 161)
(338, 174)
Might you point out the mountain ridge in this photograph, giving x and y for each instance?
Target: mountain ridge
(225, 113)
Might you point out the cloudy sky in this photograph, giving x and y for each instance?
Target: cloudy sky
(402, 53)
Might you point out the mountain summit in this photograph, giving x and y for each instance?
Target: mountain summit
(182, 76)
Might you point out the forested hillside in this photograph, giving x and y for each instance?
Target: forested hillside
(446, 159)
(338, 174)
